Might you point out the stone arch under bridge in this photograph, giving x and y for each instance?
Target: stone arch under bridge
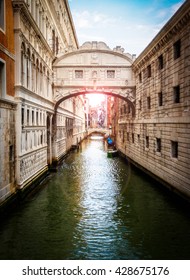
(94, 68)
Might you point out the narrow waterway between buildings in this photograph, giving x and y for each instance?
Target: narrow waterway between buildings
(97, 207)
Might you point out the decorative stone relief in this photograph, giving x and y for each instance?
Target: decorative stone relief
(94, 58)
(32, 164)
(94, 74)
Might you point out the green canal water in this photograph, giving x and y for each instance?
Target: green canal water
(100, 208)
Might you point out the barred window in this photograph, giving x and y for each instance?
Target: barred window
(176, 94)
(79, 74)
(140, 77)
(133, 138)
(110, 74)
(158, 145)
(177, 49)
(149, 72)
(138, 138)
(174, 149)
(148, 102)
(160, 62)
(160, 99)
(147, 142)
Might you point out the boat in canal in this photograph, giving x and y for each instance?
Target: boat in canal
(111, 149)
(111, 152)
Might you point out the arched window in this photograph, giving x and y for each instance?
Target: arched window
(48, 82)
(37, 76)
(33, 79)
(28, 69)
(41, 79)
(23, 64)
(44, 81)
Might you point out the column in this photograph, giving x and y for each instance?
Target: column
(18, 152)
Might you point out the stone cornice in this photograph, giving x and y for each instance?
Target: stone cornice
(92, 66)
(7, 104)
(7, 52)
(166, 120)
(71, 22)
(85, 51)
(172, 28)
(22, 92)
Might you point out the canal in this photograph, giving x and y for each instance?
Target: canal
(100, 208)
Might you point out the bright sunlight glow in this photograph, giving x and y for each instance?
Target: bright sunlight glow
(96, 99)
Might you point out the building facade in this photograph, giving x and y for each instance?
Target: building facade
(157, 138)
(34, 33)
(7, 102)
(45, 79)
(43, 31)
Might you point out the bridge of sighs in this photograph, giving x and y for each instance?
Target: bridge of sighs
(94, 68)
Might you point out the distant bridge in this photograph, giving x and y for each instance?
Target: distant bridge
(97, 130)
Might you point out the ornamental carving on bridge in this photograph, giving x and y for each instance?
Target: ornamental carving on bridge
(94, 68)
(127, 93)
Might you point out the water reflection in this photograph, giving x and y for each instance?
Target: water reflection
(99, 189)
(97, 208)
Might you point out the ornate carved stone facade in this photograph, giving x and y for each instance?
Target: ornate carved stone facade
(36, 33)
(158, 137)
(43, 31)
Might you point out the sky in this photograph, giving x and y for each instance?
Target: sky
(131, 24)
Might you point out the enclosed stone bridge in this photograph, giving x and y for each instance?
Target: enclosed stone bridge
(94, 68)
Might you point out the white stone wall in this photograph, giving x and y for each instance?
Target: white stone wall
(95, 67)
(43, 31)
(70, 125)
(158, 138)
